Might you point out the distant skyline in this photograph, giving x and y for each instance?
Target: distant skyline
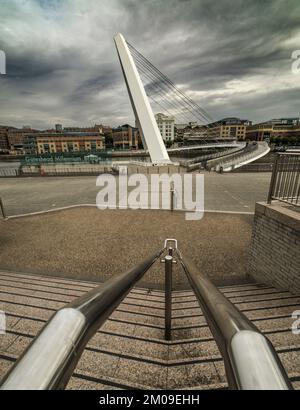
(233, 57)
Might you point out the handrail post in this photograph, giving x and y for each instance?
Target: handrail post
(273, 179)
(172, 197)
(168, 295)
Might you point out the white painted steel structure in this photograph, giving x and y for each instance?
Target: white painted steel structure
(140, 104)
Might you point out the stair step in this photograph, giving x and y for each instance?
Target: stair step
(36, 294)
(50, 280)
(5, 365)
(18, 284)
(129, 351)
(15, 342)
(78, 383)
(117, 372)
(290, 361)
(296, 385)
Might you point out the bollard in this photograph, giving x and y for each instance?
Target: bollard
(2, 208)
(172, 194)
(168, 296)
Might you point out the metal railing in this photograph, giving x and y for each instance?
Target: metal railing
(251, 152)
(199, 160)
(285, 180)
(251, 361)
(49, 361)
(9, 172)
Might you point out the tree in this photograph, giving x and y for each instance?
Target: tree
(109, 142)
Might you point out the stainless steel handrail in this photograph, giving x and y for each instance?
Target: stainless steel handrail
(50, 359)
(285, 179)
(251, 362)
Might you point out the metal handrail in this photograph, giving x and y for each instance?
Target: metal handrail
(285, 179)
(243, 156)
(50, 359)
(250, 359)
(251, 362)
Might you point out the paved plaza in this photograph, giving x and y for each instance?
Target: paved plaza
(101, 243)
(227, 192)
(92, 244)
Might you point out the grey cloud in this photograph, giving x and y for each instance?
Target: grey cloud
(63, 66)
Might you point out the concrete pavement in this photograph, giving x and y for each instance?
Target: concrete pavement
(226, 192)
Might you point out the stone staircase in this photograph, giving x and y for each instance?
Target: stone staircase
(129, 350)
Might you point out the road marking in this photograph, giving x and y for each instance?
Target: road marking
(122, 208)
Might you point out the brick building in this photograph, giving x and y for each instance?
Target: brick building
(3, 138)
(276, 128)
(16, 137)
(43, 143)
(231, 127)
(12, 139)
(125, 137)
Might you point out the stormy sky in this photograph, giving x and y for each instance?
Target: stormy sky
(233, 57)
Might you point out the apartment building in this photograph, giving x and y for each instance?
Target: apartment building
(275, 128)
(166, 125)
(232, 127)
(16, 138)
(125, 137)
(61, 142)
(4, 146)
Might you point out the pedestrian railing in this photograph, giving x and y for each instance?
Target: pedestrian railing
(285, 180)
(202, 159)
(9, 172)
(251, 153)
(251, 361)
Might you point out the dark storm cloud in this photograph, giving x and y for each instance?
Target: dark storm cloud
(232, 56)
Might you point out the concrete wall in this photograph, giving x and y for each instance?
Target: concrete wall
(275, 246)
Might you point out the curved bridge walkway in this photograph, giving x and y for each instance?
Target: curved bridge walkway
(251, 153)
